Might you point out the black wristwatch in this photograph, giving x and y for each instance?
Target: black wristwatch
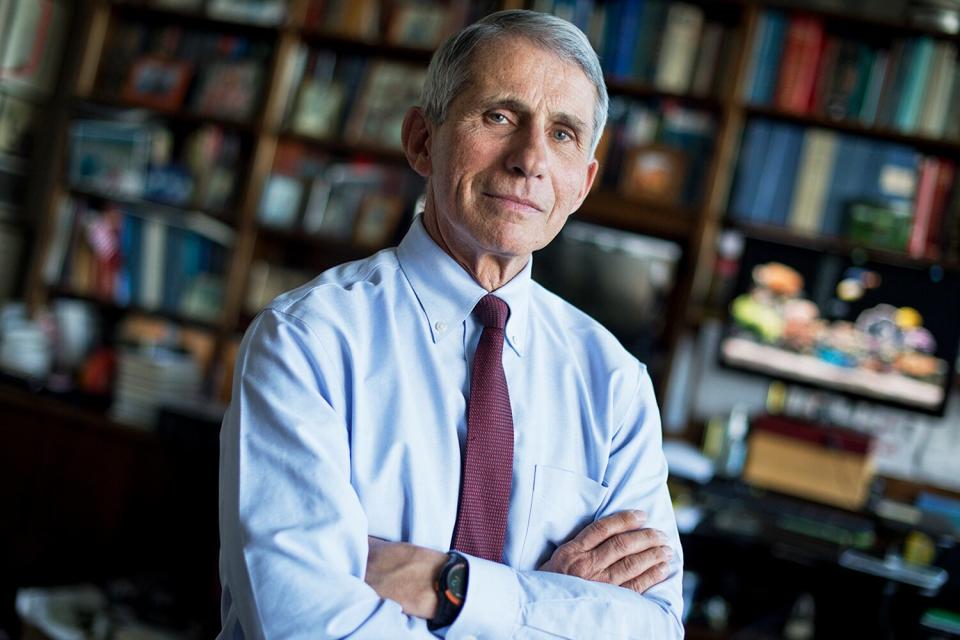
(451, 587)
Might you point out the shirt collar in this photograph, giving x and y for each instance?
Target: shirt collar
(448, 294)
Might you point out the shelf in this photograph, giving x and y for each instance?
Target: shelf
(894, 24)
(209, 224)
(179, 115)
(339, 250)
(112, 307)
(841, 245)
(193, 18)
(343, 148)
(663, 221)
(934, 145)
(634, 89)
(366, 48)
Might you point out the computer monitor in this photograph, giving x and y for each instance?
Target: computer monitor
(884, 332)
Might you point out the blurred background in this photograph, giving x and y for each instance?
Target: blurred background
(775, 231)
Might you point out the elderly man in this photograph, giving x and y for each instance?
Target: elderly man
(427, 442)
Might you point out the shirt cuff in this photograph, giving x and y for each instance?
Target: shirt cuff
(492, 604)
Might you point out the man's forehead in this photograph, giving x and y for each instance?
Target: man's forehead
(510, 67)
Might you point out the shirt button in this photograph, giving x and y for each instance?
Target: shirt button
(440, 326)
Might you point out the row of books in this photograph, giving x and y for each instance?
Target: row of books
(151, 161)
(819, 182)
(353, 98)
(912, 86)
(656, 151)
(669, 45)
(172, 68)
(352, 201)
(115, 254)
(422, 24)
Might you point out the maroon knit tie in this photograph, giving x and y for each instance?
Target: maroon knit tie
(488, 470)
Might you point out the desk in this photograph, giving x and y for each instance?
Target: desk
(754, 549)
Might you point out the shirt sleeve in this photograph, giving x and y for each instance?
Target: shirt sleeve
(502, 602)
(293, 533)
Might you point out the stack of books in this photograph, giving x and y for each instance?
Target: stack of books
(148, 379)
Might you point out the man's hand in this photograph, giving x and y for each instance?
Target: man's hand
(405, 573)
(615, 550)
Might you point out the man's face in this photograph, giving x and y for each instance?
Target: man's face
(512, 160)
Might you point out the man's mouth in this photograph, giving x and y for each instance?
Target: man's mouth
(517, 203)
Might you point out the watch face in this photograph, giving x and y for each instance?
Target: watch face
(456, 579)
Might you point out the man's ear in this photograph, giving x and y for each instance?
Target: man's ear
(588, 179)
(415, 136)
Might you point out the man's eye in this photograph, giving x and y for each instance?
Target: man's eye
(498, 118)
(562, 136)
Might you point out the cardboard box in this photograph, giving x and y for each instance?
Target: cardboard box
(824, 464)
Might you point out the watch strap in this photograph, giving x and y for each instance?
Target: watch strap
(451, 588)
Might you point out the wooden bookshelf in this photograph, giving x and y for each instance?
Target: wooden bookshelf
(695, 225)
(929, 144)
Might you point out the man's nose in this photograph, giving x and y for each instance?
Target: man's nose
(528, 154)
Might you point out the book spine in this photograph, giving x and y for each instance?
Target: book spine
(151, 268)
(798, 72)
(819, 153)
(914, 85)
(678, 48)
(756, 144)
(946, 177)
(923, 209)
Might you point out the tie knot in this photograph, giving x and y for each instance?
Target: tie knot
(491, 311)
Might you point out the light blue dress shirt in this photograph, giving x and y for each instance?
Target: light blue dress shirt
(348, 418)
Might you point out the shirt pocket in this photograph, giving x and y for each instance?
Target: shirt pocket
(562, 503)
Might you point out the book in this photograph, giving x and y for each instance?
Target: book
(872, 92)
(846, 184)
(783, 160)
(153, 244)
(936, 102)
(640, 47)
(750, 160)
(844, 78)
(707, 65)
(946, 181)
(681, 35)
(772, 36)
(798, 69)
(923, 209)
(777, 175)
(894, 78)
(816, 166)
(916, 75)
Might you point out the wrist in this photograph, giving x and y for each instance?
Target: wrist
(451, 590)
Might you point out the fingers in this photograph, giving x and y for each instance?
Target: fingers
(596, 533)
(653, 576)
(633, 566)
(627, 544)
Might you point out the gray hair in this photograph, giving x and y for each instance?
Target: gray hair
(450, 66)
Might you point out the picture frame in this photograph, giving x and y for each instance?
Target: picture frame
(229, 89)
(17, 122)
(158, 83)
(418, 25)
(653, 173)
(377, 220)
(377, 117)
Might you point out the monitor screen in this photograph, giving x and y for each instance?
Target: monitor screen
(884, 332)
(621, 279)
